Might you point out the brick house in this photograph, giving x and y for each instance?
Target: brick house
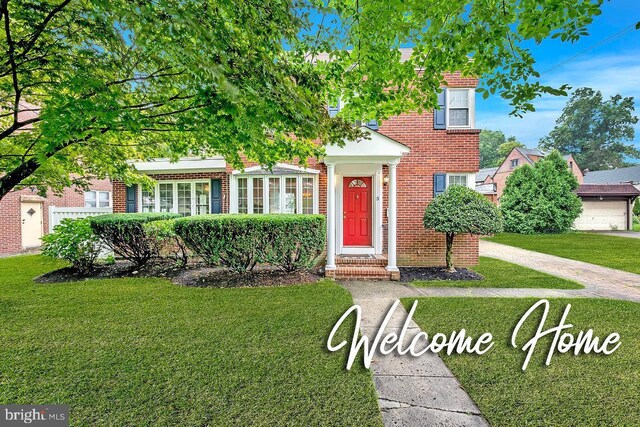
(491, 181)
(24, 216)
(373, 192)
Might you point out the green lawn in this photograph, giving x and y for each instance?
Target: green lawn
(501, 274)
(615, 252)
(585, 390)
(147, 352)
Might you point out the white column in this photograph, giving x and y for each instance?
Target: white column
(392, 220)
(331, 218)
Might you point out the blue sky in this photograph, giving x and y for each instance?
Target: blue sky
(612, 67)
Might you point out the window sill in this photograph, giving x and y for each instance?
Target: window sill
(470, 131)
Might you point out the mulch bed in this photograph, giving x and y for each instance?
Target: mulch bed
(192, 275)
(409, 274)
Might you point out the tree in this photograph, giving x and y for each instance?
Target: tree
(86, 85)
(598, 133)
(541, 199)
(461, 210)
(490, 140)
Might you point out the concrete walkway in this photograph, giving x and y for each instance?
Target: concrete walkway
(422, 391)
(412, 391)
(599, 282)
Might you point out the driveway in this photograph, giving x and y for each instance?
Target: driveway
(631, 234)
(599, 282)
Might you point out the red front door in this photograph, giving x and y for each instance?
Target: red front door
(357, 211)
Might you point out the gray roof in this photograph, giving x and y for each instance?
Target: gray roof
(484, 173)
(613, 176)
(526, 152)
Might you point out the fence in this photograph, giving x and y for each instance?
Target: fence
(56, 215)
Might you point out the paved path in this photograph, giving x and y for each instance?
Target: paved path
(412, 391)
(631, 234)
(422, 391)
(599, 282)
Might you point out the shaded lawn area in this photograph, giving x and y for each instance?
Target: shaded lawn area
(585, 390)
(502, 274)
(147, 352)
(609, 251)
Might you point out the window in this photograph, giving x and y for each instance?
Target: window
(148, 201)
(243, 205)
(291, 194)
(202, 198)
(183, 197)
(97, 199)
(514, 163)
(457, 179)
(459, 107)
(274, 195)
(258, 195)
(307, 195)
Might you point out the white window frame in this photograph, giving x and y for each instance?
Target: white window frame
(156, 197)
(471, 179)
(265, 191)
(98, 198)
(471, 106)
(516, 164)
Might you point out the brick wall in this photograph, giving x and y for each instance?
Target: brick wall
(10, 221)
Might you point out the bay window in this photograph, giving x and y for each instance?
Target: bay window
(183, 197)
(291, 194)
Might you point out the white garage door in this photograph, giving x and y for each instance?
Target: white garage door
(602, 215)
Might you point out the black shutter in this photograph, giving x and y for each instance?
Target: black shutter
(440, 116)
(439, 183)
(131, 199)
(216, 196)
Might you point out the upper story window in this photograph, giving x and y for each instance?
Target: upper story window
(459, 108)
(97, 199)
(336, 105)
(183, 197)
(269, 193)
(514, 163)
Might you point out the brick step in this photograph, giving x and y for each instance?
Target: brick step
(362, 273)
(366, 261)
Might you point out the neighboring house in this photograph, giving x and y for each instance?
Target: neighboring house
(606, 202)
(495, 178)
(373, 192)
(630, 175)
(24, 216)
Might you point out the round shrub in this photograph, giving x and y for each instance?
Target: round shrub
(242, 241)
(74, 241)
(124, 234)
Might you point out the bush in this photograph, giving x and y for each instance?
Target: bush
(242, 241)
(541, 199)
(461, 210)
(125, 235)
(74, 241)
(167, 243)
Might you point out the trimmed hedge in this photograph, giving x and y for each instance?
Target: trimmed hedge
(124, 234)
(167, 243)
(239, 242)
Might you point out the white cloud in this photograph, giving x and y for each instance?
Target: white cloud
(610, 74)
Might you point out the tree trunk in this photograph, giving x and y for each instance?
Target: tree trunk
(449, 238)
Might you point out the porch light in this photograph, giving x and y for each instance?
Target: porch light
(385, 180)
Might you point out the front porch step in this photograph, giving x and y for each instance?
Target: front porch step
(361, 260)
(362, 272)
